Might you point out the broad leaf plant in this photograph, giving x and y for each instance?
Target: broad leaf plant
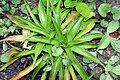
(54, 36)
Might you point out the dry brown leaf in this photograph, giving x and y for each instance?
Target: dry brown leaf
(17, 38)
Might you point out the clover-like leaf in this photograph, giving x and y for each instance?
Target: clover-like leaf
(16, 2)
(116, 70)
(105, 77)
(104, 9)
(104, 23)
(47, 68)
(105, 41)
(57, 51)
(115, 12)
(112, 26)
(115, 43)
(5, 57)
(113, 60)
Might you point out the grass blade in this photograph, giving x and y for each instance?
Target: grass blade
(85, 53)
(66, 74)
(16, 57)
(72, 16)
(23, 23)
(57, 14)
(78, 67)
(38, 50)
(86, 38)
(58, 30)
(29, 68)
(43, 77)
(37, 69)
(61, 71)
(87, 45)
(55, 68)
(75, 29)
(42, 15)
(86, 30)
(30, 12)
(71, 70)
(64, 14)
(43, 39)
(33, 26)
(8, 63)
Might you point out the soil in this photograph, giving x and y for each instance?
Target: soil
(92, 68)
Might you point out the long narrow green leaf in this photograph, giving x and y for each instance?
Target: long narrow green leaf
(57, 20)
(69, 26)
(90, 36)
(16, 57)
(7, 64)
(57, 14)
(38, 50)
(43, 39)
(42, 14)
(86, 30)
(47, 49)
(24, 53)
(37, 69)
(43, 77)
(72, 72)
(30, 12)
(75, 29)
(86, 38)
(32, 26)
(58, 30)
(23, 23)
(78, 67)
(61, 71)
(56, 68)
(49, 20)
(29, 68)
(87, 45)
(85, 53)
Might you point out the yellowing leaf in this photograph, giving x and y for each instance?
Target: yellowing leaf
(70, 18)
(18, 38)
(87, 29)
(83, 9)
